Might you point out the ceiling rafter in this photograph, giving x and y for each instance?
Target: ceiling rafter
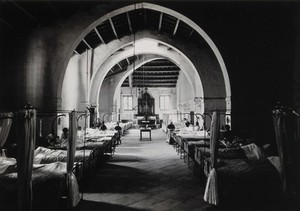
(157, 72)
(52, 7)
(113, 27)
(172, 67)
(119, 66)
(145, 17)
(25, 11)
(100, 37)
(145, 82)
(153, 74)
(156, 80)
(176, 27)
(160, 21)
(156, 76)
(127, 61)
(162, 84)
(191, 32)
(8, 24)
(86, 43)
(129, 22)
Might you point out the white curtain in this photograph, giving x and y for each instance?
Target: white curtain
(5, 125)
(72, 185)
(211, 189)
(278, 122)
(26, 145)
(214, 137)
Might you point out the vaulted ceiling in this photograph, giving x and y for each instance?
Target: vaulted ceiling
(161, 73)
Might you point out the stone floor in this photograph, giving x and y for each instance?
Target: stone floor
(145, 175)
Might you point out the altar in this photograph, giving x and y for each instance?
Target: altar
(146, 121)
(146, 111)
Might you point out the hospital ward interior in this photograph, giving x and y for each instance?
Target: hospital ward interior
(150, 105)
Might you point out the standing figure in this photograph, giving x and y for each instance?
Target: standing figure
(170, 128)
(119, 132)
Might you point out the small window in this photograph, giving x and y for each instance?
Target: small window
(164, 102)
(127, 102)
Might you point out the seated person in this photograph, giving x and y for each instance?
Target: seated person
(98, 123)
(190, 128)
(103, 127)
(50, 140)
(171, 126)
(196, 127)
(118, 128)
(228, 135)
(64, 137)
(80, 133)
(186, 122)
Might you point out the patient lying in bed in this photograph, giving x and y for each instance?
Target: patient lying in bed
(44, 155)
(249, 151)
(48, 182)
